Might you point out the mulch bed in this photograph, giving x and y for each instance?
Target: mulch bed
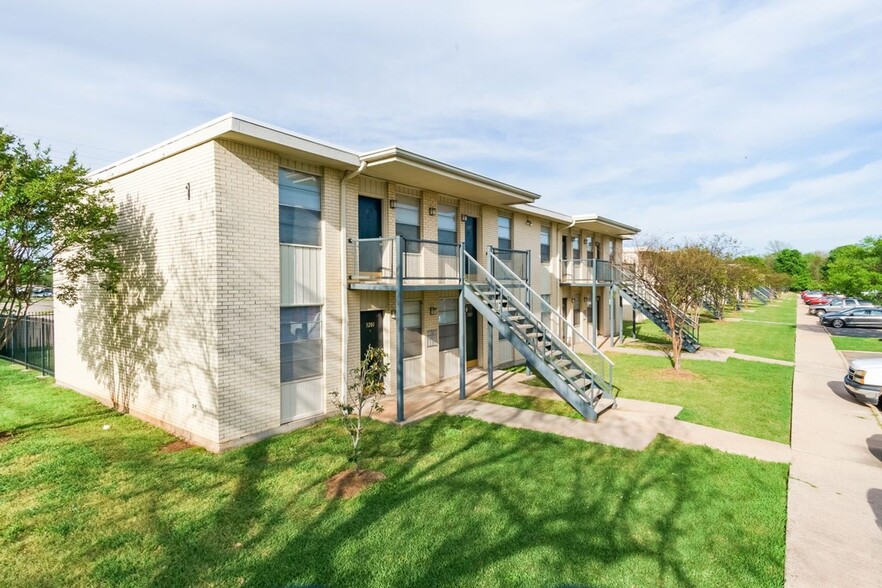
(350, 483)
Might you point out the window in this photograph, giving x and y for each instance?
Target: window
(300, 208)
(413, 329)
(577, 312)
(588, 248)
(448, 324)
(546, 310)
(407, 221)
(612, 248)
(300, 342)
(576, 254)
(504, 232)
(564, 248)
(545, 244)
(447, 229)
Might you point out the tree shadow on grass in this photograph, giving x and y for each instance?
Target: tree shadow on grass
(465, 501)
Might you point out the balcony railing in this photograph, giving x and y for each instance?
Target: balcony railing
(415, 261)
(579, 272)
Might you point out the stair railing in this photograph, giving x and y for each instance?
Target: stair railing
(654, 299)
(601, 375)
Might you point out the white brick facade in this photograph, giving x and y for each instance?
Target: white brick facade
(191, 340)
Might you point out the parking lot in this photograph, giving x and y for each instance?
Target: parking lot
(855, 332)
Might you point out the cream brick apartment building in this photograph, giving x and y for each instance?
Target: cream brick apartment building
(260, 264)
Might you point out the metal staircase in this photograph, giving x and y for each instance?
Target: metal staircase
(762, 294)
(649, 303)
(537, 331)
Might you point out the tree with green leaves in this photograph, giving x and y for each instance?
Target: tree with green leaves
(856, 270)
(682, 276)
(793, 263)
(53, 219)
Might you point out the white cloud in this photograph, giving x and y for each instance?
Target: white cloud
(616, 106)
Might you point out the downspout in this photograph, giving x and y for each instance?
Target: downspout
(344, 279)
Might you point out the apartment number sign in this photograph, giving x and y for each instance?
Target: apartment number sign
(432, 338)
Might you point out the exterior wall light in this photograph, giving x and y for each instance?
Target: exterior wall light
(392, 204)
(529, 223)
(433, 311)
(432, 211)
(463, 218)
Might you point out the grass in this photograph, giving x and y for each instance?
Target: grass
(744, 397)
(749, 336)
(466, 503)
(857, 343)
(557, 407)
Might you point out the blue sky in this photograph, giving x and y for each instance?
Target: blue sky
(762, 120)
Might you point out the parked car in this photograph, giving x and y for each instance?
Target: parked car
(854, 317)
(837, 305)
(864, 380)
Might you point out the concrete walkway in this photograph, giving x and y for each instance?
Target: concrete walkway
(834, 502)
(633, 424)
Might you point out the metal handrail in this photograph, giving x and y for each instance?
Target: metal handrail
(548, 332)
(597, 267)
(398, 253)
(653, 297)
(543, 305)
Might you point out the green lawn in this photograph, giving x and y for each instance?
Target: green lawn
(741, 396)
(857, 343)
(465, 504)
(750, 337)
(558, 407)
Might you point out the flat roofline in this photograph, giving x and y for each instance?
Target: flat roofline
(395, 155)
(602, 220)
(243, 130)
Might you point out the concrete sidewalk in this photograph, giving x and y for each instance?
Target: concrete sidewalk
(834, 502)
(632, 425)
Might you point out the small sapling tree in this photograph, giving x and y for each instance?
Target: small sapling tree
(366, 388)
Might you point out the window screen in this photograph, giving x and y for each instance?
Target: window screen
(300, 208)
(413, 329)
(447, 229)
(300, 342)
(407, 221)
(448, 323)
(545, 244)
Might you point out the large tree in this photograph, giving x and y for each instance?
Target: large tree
(793, 263)
(682, 275)
(856, 270)
(53, 218)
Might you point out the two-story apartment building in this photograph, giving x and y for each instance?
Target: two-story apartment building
(260, 265)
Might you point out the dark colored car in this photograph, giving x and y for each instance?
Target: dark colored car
(854, 317)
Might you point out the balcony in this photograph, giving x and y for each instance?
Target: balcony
(586, 272)
(389, 263)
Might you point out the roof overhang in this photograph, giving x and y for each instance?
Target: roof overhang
(242, 130)
(404, 167)
(605, 226)
(543, 213)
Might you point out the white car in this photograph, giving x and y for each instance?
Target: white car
(864, 379)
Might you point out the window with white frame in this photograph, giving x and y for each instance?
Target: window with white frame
(407, 221)
(413, 328)
(447, 229)
(300, 208)
(575, 241)
(448, 324)
(300, 342)
(545, 244)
